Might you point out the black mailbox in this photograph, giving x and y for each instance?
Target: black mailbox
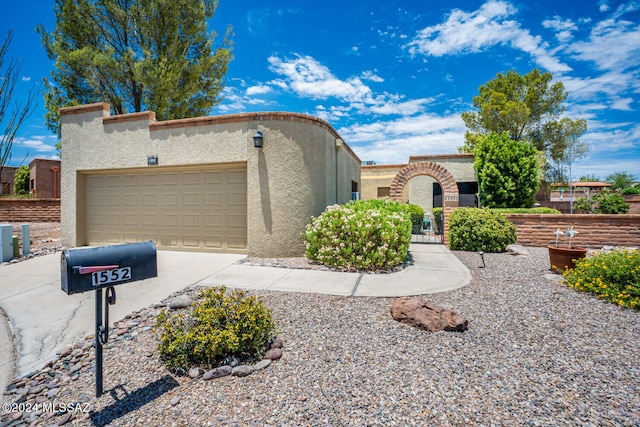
(91, 268)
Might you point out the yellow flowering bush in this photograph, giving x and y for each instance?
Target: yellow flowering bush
(362, 234)
(614, 276)
(218, 326)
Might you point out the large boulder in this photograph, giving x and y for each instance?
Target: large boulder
(427, 316)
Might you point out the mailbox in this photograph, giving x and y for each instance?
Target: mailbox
(92, 268)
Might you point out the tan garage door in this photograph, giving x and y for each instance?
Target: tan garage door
(198, 209)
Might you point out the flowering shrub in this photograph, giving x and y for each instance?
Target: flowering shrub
(614, 276)
(220, 325)
(473, 229)
(363, 234)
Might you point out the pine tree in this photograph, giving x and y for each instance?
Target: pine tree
(136, 55)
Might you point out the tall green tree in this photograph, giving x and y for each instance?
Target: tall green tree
(507, 171)
(620, 180)
(136, 55)
(527, 107)
(13, 112)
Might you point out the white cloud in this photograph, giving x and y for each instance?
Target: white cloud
(473, 32)
(612, 45)
(564, 28)
(26, 78)
(370, 75)
(308, 78)
(603, 5)
(258, 90)
(393, 141)
(39, 143)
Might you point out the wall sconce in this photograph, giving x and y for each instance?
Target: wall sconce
(258, 139)
(152, 161)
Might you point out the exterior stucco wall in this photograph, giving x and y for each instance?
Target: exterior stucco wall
(292, 178)
(419, 190)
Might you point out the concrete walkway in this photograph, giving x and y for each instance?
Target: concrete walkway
(43, 318)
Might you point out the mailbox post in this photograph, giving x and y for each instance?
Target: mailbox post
(98, 268)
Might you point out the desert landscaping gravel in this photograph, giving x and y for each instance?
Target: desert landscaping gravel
(537, 353)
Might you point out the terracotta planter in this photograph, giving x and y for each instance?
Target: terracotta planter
(563, 258)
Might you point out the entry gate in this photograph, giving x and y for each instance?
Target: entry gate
(432, 231)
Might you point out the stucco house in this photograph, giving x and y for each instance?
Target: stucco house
(423, 177)
(200, 184)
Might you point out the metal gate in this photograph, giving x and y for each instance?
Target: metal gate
(432, 231)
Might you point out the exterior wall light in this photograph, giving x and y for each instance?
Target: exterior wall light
(258, 139)
(152, 161)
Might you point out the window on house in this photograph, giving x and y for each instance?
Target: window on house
(383, 192)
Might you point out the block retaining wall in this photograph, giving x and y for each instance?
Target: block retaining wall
(594, 231)
(30, 210)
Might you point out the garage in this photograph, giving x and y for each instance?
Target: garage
(191, 208)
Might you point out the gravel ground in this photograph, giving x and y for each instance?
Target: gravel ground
(537, 353)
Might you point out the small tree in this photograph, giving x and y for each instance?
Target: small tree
(507, 171)
(11, 118)
(21, 181)
(620, 180)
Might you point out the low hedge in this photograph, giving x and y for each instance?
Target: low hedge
(473, 229)
(542, 210)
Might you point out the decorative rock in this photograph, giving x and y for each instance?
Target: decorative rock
(277, 343)
(274, 354)
(53, 392)
(262, 364)
(517, 250)
(195, 372)
(181, 301)
(242, 371)
(221, 371)
(175, 401)
(231, 361)
(427, 316)
(65, 418)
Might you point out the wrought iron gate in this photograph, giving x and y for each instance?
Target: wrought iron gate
(432, 231)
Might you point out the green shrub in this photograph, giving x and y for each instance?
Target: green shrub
(610, 203)
(437, 219)
(21, 181)
(220, 325)
(603, 202)
(630, 190)
(473, 229)
(362, 234)
(417, 216)
(614, 276)
(541, 210)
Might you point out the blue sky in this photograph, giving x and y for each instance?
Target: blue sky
(393, 77)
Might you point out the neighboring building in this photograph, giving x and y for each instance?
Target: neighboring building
(200, 184)
(560, 192)
(44, 178)
(6, 180)
(423, 187)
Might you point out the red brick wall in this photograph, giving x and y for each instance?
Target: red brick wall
(594, 231)
(45, 178)
(30, 210)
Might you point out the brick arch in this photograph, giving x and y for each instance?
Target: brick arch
(450, 195)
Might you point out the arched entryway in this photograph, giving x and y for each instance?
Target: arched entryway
(450, 194)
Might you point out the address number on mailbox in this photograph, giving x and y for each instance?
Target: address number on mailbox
(100, 278)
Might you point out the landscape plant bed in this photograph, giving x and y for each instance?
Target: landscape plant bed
(537, 352)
